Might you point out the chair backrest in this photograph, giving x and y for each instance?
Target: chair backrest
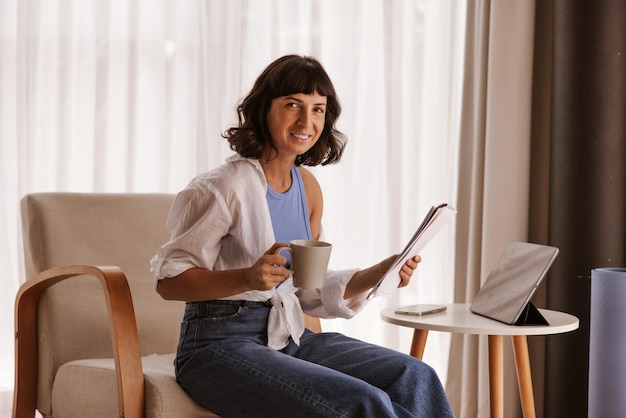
(123, 230)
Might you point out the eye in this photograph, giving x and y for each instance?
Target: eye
(320, 110)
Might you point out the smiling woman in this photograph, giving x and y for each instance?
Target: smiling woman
(131, 96)
(226, 226)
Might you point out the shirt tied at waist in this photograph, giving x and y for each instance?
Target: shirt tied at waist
(286, 317)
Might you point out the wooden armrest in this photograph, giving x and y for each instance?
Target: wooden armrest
(130, 383)
(312, 323)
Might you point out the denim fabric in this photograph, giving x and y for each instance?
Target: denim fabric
(224, 364)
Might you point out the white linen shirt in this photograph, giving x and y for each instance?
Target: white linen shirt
(221, 221)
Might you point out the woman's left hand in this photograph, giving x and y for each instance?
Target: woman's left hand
(407, 269)
(364, 280)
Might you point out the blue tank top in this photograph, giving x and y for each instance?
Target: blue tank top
(289, 211)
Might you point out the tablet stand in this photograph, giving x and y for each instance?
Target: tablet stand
(531, 316)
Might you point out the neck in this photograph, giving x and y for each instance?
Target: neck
(277, 173)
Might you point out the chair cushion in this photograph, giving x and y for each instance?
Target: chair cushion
(87, 388)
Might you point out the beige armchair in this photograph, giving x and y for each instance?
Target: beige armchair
(93, 338)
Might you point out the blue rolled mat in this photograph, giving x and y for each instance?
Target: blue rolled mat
(607, 343)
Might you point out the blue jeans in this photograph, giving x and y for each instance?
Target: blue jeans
(223, 363)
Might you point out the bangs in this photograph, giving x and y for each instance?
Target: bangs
(301, 77)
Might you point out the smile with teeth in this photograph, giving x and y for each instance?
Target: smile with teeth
(301, 137)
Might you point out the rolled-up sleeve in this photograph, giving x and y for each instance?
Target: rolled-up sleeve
(328, 302)
(193, 213)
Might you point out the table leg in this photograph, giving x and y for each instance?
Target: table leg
(419, 343)
(496, 376)
(524, 380)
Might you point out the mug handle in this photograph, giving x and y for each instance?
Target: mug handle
(279, 249)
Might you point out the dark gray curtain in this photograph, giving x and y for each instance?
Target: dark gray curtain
(583, 195)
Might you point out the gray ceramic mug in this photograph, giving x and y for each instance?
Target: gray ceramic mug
(309, 262)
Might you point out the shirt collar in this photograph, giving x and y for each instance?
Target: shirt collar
(253, 161)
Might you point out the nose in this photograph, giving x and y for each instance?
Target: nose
(304, 119)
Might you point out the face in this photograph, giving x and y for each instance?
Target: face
(296, 122)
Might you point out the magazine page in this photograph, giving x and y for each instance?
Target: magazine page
(436, 218)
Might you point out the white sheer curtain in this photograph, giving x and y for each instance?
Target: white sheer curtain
(131, 96)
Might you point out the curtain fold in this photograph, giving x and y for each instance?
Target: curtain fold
(463, 386)
(493, 186)
(132, 96)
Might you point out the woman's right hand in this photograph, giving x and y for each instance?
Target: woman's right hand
(268, 271)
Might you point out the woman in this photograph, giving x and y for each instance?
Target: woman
(243, 349)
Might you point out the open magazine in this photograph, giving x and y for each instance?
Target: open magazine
(436, 218)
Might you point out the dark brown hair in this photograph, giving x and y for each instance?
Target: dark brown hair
(287, 75)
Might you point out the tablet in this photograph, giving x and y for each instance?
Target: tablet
(505, 295)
